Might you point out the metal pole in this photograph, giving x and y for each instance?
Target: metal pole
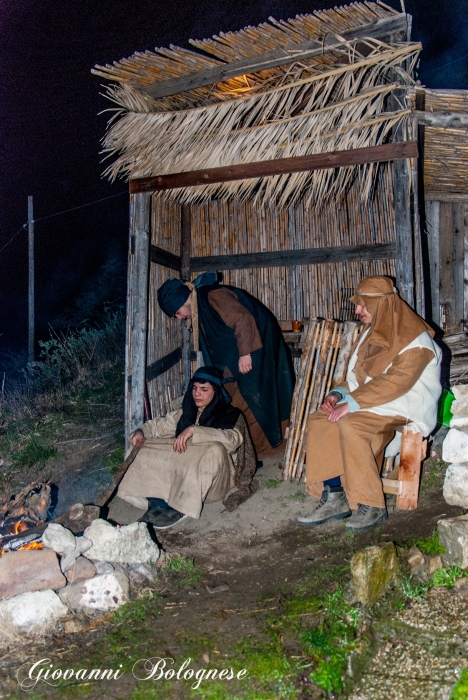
(31, 280)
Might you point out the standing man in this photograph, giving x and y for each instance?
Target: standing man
(242, 338)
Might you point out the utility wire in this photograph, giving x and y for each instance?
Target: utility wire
(59, 213)
(82, 206)
(435, 70)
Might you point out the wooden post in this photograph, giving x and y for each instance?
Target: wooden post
(402, 207)
(137, 311)
(417, 239)
(31, 280)
(185, 243)
(432, 224)
(412, 452)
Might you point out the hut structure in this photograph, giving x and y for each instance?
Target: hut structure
(282, 155)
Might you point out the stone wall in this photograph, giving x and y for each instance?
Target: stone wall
(455, 450)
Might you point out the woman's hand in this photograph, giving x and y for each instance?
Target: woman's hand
(180, 443)
(330, 402)
(138, 438)
(245, 364)
(338, 412)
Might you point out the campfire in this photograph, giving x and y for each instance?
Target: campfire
(21, 518)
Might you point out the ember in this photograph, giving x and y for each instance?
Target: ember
(22, 513)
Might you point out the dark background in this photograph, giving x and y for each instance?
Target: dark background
(51, 131)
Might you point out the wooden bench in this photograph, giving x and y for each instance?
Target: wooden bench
(403, 480)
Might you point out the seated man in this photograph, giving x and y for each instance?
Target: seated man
(393, 378)
(211, 458)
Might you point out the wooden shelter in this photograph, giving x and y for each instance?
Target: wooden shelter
(284, 156)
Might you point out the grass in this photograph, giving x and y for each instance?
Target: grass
(191, 573)
(460, 690)
(273, 483)
(444, 577)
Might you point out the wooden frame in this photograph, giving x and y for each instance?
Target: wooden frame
(406, 487)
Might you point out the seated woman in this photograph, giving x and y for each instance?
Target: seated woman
(393, 378)
(211, 458)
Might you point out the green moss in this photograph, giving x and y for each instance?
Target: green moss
(431, 545)
(191, 574)
(273, 483)
(460, 690)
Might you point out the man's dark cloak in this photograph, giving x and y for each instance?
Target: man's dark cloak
(268, 387)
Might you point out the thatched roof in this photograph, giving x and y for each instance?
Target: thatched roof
(446, 148)
(333, 95)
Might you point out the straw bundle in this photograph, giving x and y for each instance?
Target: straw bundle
(326, 351)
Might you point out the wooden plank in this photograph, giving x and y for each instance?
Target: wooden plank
(411, 454)
(138, 311)
(287, 258)
(416, 185)
(465, 268)
(392, 486)
(448, 120)
(446, 281)
(433, 196)
(432, 226)
(279, 166)
(403, 231)
(163, 364)
(165, 258)
(458, 214)
(287, 54)
(185, 245)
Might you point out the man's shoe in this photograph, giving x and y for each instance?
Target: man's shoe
(167, 519)
(366, 517)
(333, 506)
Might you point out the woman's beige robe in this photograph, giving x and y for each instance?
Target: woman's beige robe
(203, 473)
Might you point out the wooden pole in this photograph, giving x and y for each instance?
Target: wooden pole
(185, 243)
(137, 311)
(31, 280)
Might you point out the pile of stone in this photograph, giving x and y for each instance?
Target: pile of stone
(455, 450)
(90, 574)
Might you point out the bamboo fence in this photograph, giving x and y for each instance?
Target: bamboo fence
(325, 355)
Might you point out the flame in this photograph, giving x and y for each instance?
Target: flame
(19, 526)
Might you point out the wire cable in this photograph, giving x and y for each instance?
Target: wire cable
(14, 236)
(82, 206)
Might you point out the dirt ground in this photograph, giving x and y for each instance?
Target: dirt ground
(231, 574)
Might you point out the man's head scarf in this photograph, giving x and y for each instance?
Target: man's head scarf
(394, 324)
(173, 294)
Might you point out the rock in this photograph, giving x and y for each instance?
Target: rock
(72, 626)
(33, 612)
(71, 595)
(103, 567)
(218, 588)
(433, 563)
(81, 570)
(79, 517)
(459, 422)
(453, 535)
(29, 570)
(460, 407)
(105, 592)
(130, 544)
(416, 560)
(373, 569)
(139, 574)
(58, 538)
(82, 544)
(456, 485)
(455, 447)
(461, 586)
(460, 391)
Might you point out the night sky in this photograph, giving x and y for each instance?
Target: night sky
(51, 130)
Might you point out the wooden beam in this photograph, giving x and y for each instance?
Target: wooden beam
(432, 228)
(164, 257)
(163, 364)
(286, 258)
(279, 57)
(447, 120)
(185, 245)
(137, 311)
(431, 196)
(280, 166)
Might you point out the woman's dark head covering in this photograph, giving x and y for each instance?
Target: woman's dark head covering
(394, 324)
(218, 414)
